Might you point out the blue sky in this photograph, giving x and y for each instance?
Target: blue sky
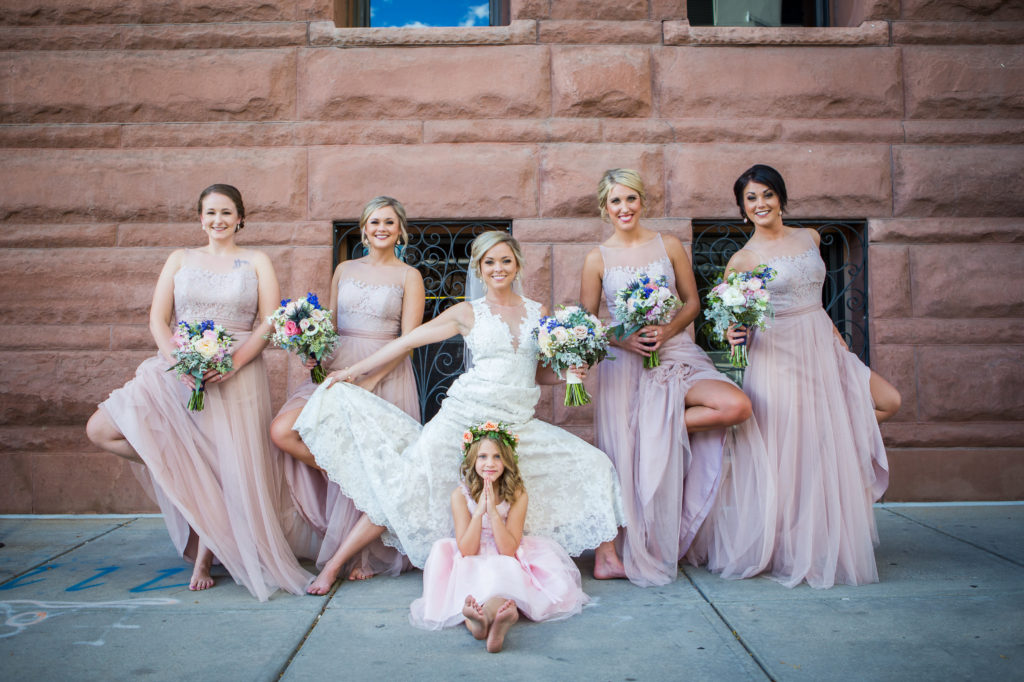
(432, 13)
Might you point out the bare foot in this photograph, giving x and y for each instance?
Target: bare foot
(324, 581)
(503, 620)
(201, 578)
(476, 619)
(359, 574)
(608, 565)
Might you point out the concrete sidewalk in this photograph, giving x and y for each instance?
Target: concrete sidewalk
(96, 598)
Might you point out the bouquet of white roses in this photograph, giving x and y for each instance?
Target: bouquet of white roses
(303, 327)
(570, 337)
(200, 346)
(643, 302)
(741, 300)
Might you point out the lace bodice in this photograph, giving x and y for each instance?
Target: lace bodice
(486, 532)
(623, 264)
(798, 280)
(370, 307)
(497, 357)
(228, 298)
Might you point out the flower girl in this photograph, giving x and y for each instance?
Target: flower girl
(489, 572)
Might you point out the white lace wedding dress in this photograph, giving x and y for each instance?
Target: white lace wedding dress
(402, 475)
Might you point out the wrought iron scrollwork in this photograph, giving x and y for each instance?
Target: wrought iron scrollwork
(440, 251)
(844, 248)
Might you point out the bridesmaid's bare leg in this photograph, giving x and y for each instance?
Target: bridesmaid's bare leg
(201, 578)
(607, 564)
(364, 532)
(503, 613)
(885, 396)
(102, 432)
(712, 404)
(288, 440)
(476, 618)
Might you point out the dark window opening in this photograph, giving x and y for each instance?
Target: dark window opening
(758, 12)
(439, 249)
(844, 248)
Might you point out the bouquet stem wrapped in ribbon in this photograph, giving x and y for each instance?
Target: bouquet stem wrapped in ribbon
(201, 346)
(571, 337)
(303, 327)
(644, 302)
(741, 300)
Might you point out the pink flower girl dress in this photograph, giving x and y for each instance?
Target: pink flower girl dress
(541, 578)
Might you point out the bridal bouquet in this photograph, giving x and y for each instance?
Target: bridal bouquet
(643, 302)
(571, 336)
(200, 346)
(303, 327)
(741, 300)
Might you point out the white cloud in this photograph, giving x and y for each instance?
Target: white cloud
(415, 24)
(475, 13)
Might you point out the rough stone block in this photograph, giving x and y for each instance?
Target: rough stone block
(960, 282)
(59, 136)
(31, 13)
(132, 337)
(890, 281)
(642, 130)
(310, 270)
(560, 230)
(59, 38)
(968, 383)
(86, 289)
(954, 434)
(957, 10)
(146, 185)
(804, 82)
(945, 331)
(964, 132)
(19, 334)
(490, 180)
(44, 438)
(606, 10)
(861, 33)
(937, 474)
(327, 34)
(964, 82)
(570, 173)
(958, 181)
(57, 236)
(537, 273)
(100, 86)
(86, 483)
(478, 83)
(567, 272)
(668, 9)
(220, 35)
(897, 365)
(15, 483)
(722, 130)
(948, 230)
(601, 81)
(529, 9)
(822, 180)
(841, 131)
(582, 32)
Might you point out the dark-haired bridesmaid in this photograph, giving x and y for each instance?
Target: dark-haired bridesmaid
(212, 472)
(817, 406)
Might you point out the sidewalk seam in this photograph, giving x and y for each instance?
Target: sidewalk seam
(735, 633)
(309, 630)
(67, 551)
(957, 538)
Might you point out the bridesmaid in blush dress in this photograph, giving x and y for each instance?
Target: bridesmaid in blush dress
(817, 405)
(212, 472)
(374, 299)
(663, 428)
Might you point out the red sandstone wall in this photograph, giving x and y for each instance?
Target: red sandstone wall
(115, 113)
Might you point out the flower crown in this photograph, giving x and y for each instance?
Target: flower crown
(499, 429)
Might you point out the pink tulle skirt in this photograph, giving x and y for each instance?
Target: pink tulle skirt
(322, 506)
(541, 578)
(214, 470)
(813, 405)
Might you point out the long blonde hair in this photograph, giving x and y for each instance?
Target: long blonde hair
(509, 484)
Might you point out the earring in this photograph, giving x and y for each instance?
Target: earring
(744, 220)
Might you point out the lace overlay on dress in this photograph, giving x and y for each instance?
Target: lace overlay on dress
(228, 298)
(491, 342)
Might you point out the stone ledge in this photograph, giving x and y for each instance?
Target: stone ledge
(154, 36)
(978, 131)
(958, 33)
(599, 32)
(953, 434)
(66, 136)
(270, 133)
(947, 230)
(868, 33)
(955, 474)
(326, 34)
(929, 331)
(50, 236)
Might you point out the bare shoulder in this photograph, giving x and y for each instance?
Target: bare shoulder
(812, 233)
(412, 275)
(176, 259)
(673, 246)
(743, 260)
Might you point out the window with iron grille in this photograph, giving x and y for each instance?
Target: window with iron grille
(844, 248)
(439, 249)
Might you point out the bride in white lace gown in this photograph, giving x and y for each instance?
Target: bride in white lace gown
(401, 475)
